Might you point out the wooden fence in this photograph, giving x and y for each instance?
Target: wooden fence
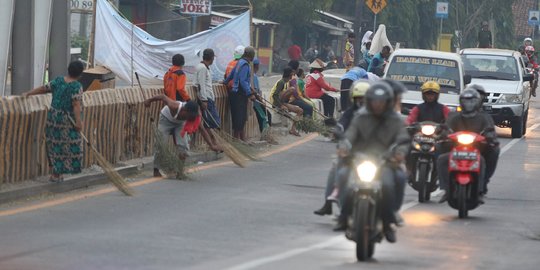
(115, 121)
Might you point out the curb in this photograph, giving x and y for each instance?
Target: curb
(84, 181)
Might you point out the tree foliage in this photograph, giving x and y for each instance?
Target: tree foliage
(413, 22)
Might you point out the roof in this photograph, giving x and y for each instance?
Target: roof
(334, 30)
(334, 17)
(255, 20)
(489, 52)
(520, 10)
(426, 53)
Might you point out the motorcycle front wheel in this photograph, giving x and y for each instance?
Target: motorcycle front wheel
(424, 190)
(364, 223)
(462, 201)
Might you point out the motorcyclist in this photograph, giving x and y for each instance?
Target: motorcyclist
(431, 109)
(529, 52)
(526, 42)
(373, 131)
(358, 92)
(472, 119)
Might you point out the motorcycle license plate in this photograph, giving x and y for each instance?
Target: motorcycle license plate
(425, 139)
(463, 155)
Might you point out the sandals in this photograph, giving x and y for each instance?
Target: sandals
(295, 133)
(56, 179)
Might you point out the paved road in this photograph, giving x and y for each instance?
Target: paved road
(261, 218)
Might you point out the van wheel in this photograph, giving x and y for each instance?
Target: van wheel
(517, 127)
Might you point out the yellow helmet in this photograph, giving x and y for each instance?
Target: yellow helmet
(359, 89)
(431, 86)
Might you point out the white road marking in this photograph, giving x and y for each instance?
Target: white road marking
(334, 240)
(514, 141)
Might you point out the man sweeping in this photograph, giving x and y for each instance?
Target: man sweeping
(177, 118)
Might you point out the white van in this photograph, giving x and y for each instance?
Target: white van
(413, 67)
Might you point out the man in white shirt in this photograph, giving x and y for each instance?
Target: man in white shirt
(206, 99)
(176, 118)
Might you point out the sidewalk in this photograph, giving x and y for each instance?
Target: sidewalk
(94, 175)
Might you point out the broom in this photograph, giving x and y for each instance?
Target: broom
(108, 169)
(232, 152)
(305, 124)
(168, 158)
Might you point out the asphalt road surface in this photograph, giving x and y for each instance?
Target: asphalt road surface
(261, 217)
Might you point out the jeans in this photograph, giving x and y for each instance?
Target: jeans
(329, 104)
(308, 109)
(344, 98)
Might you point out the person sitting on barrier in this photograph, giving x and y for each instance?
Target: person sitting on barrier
(315, 84)
(280, 93)
(62, 138)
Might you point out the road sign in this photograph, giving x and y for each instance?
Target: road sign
(376, 5)
(534, 17)
(442, 10)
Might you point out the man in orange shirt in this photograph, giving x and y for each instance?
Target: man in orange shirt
(238, 52)
(174, 81)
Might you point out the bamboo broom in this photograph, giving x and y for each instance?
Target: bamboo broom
(108, 169)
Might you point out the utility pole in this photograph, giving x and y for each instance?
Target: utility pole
(357, 31)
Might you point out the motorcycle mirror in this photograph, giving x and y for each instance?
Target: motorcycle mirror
(467, 79)
(528, 77)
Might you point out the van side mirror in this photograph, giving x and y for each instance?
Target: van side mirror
(467, 79)
(528, 77)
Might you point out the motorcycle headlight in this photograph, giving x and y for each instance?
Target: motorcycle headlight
(428, 130)
(366, 171)
(507, 98)
(465, 139)
(417, 145)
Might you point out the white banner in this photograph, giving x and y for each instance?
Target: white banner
(151, 57)
(196, 7)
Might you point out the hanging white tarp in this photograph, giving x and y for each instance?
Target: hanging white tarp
(125, 49)
(379, 41)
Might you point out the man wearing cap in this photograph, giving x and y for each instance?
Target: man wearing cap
(206, 99)
(241, 92)
(238, 52)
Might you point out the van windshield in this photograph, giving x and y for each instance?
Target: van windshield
(413, 71)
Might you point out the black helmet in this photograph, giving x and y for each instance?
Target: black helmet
(380, 91)
(470, 102)
(398, 87)
(480, 89)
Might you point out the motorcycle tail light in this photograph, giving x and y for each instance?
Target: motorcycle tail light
(452, 164)
(475, 165)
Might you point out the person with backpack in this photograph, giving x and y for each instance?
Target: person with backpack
(174, 81)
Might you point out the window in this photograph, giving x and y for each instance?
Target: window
(493, 67)
(414, 71)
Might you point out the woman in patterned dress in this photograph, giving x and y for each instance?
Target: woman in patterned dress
(63, 140)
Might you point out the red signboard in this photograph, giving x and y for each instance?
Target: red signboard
(196, 7)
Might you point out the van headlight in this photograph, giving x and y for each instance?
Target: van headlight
(507, 98)
(366, 171)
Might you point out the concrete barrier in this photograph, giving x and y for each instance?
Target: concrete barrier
(115, 122)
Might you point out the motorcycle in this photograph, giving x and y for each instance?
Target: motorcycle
(423, 170)
(464, 168)
(534, 70)
(365, 225)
